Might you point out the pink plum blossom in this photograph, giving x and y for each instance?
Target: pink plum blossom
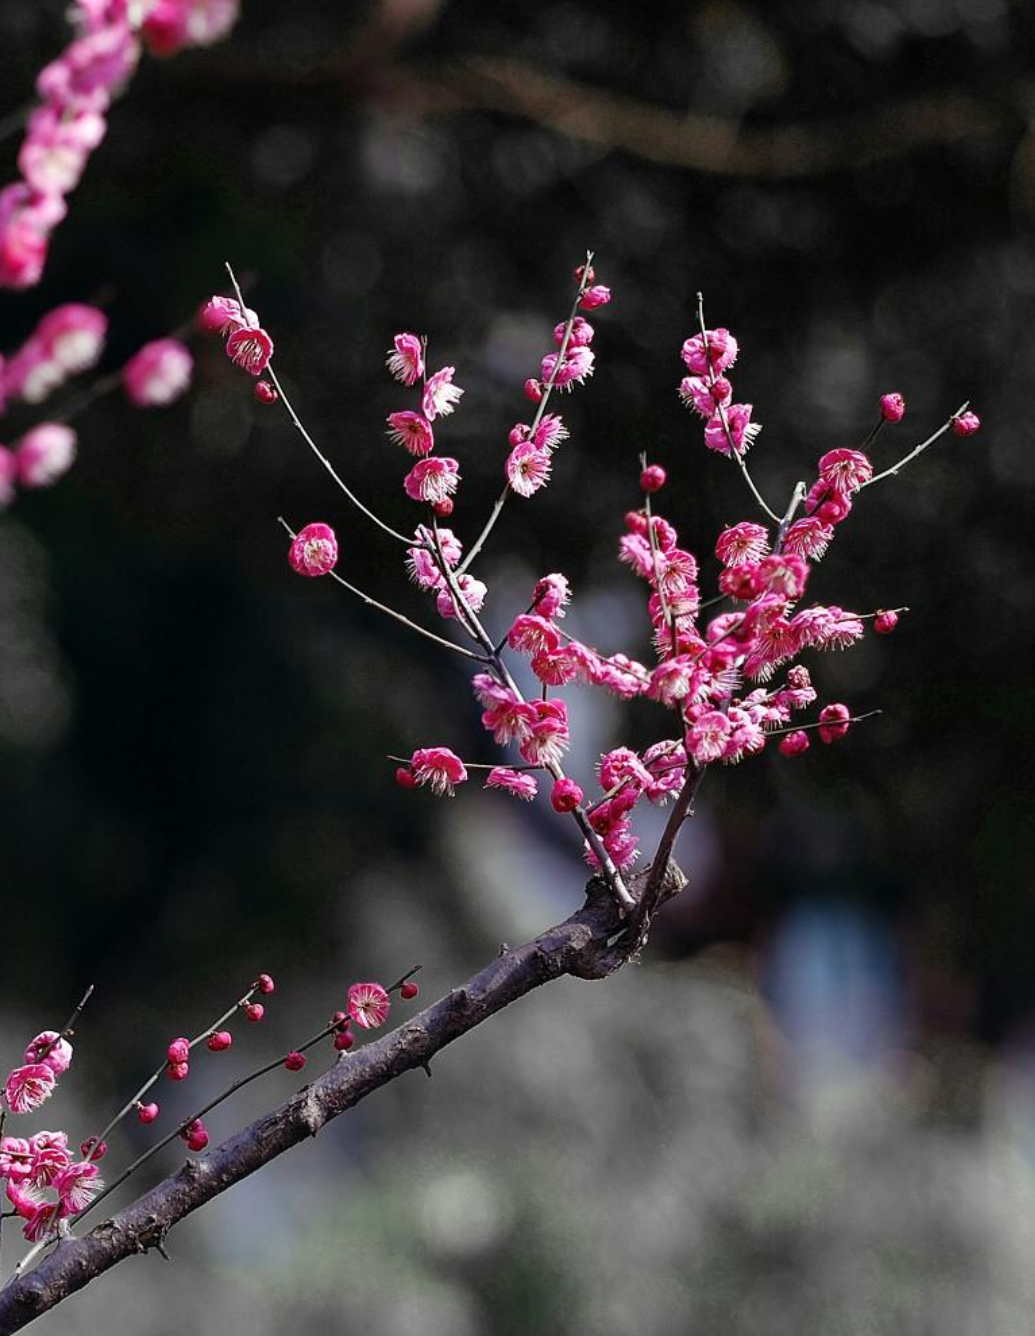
(433, 479)
(440, 395)
(721, 352)
(528, 469)
(845, 471)
(518, 783)
(250, 349)
(51, 1048)
(438, 768)
(314, 551)
(28, 1087)
(412, 431)
(45, 454)
(406, 359)
(77, 1185)
(737, 428)
(368, 1005)
(157, 373)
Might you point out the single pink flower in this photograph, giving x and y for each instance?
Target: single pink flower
(885, 622)
(314, 551)
(412, 431)
(406, 359)
(77, 1186)
(581, 333)
(808, 537)
(833, 722)
(707, 740)
(548, 733)
(705, 396)
(742, 542)
(73, 336)
(28, 1087)
(845, 471)
(440, 395)
(532, 634)
(224, 315)
(473, 593)
(433, 479)
(527, 469)
(44, 454)
(892, 407)
(15, 1159)
(966, 424)
(518, 783)
(565, 795)
(599, 295)
(250, 349)
(575, 367)
(439, 768)
(50, 1048)
(368, 1005)
(721, 352)
(551, 595)
(157, 373)
(737, 428)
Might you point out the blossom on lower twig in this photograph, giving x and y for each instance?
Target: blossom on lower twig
(519, 783)
(438, 768)
(368, 1005)
(314, 551)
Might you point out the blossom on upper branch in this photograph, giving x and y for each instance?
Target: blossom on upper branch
(438, 768)
(412, 431)
(440, 395)
(432, 479)
(721, 352)
(406, 359)
(314, 551)
(734, 433)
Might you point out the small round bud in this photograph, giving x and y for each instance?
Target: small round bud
(587, 272)
(265, 393)
(566, 796)
(222, 1039)
(405, 777)
(340, 1020)
(444, 508)
(294, 1062)
(833, 722)
(178, 1050)
(344, 1041)
(721, 390)
(653, 478)
(409, 990)
(198, 1139)
(177, 1071)
(147, 1113)
(87, 1151)
(265, 983)
(793, 744)
(966, 424)
(533, 390)
(885, 622)
(594, 297)
(892, 407)
(254, 1012)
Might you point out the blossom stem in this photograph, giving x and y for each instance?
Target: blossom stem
(231, 1089)
(738, 457)
(800, 728)
(613, 876)
(547, 391)
(297, 422)
(918, 450)
(390, 612)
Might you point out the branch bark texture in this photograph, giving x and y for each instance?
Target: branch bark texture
(591, 944)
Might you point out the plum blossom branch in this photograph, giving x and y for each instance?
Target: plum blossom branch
(584, 281)
(918, 450)
(390, 612)
(297, 423)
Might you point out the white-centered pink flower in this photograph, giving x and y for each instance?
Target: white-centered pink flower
(250, 349)
(518, 783)
(527, 468)
(406, 359)
(157, 373)
(440, 395)
(77, 1186)
(412, 431)
(73, 336)
(45, 454)
(742, 542)
(735, 432)
(706, 741)
(314, 551)
(28, 1087)
(368, 1005)
(433, 479)
(845, 471)
(438, 768)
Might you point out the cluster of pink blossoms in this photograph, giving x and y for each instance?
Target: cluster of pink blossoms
(45, 1184)
(434, 478)
(247, 343)
(76, 90)
(707, 390)
(66, 342)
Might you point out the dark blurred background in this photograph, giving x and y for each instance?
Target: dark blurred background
(192, 782)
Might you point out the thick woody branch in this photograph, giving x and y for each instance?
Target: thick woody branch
(591, 944)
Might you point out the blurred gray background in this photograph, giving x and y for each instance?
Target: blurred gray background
(809, 1109)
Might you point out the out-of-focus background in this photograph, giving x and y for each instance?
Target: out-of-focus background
(811, 1108)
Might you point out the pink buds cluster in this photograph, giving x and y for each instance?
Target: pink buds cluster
(707, 390)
